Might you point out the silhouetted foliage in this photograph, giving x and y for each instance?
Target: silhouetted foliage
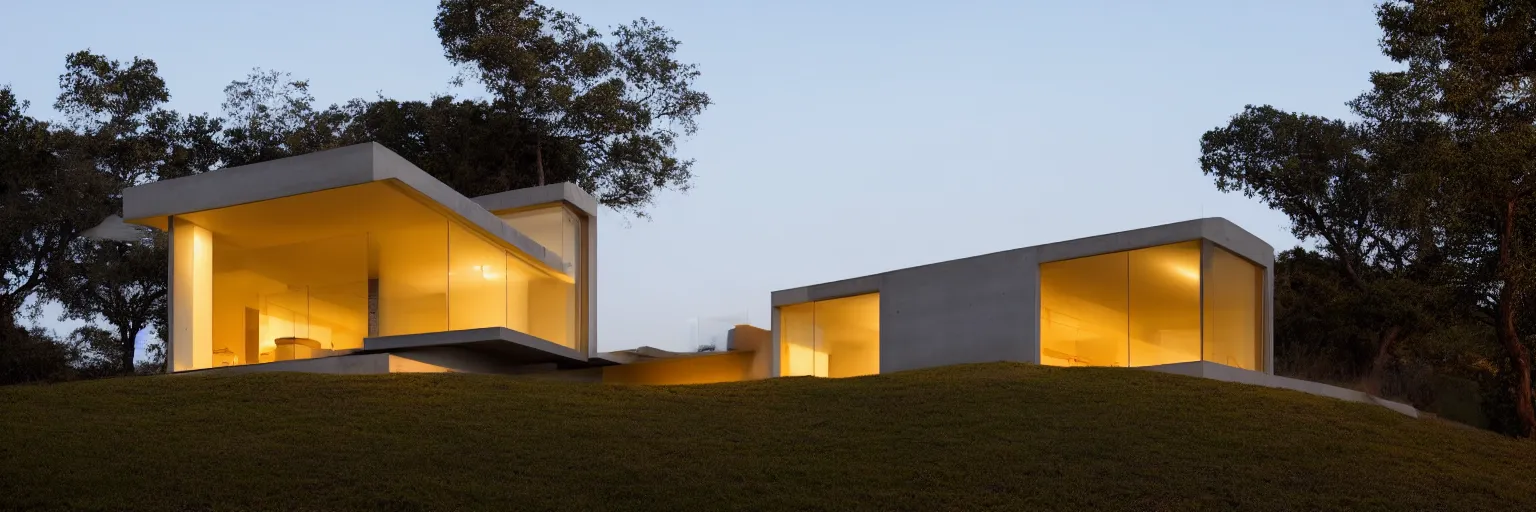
(30, 355)
(1427, 205)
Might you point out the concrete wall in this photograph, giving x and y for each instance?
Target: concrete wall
(425, 360)
(354, 364)
(731, 366)
(973, 310)
(759, 342)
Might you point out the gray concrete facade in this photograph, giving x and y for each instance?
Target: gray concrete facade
(987, 308)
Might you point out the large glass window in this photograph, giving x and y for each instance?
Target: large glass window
(290, 301)
(1234, 311)
(548, 308)
(412, 282)
(477, 281)
(555, 227)
(1144, 307)
(1084, 307)
(797, 341)
(831, 338)
(1165, 304)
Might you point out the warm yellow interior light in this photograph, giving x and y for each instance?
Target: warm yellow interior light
(1130, 308)
(295, 277)
(831, 338)
(1234, 312)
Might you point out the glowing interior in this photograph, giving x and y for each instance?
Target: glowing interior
(555, 227)
(831, 338)
(314, 274)
(1144, 307)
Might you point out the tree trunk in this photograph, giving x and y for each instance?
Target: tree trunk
(1372, 384)
(1520, 361)
(538, 158)
(1519, 357)
(125, 336)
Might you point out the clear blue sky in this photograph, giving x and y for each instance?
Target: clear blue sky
(847, 137)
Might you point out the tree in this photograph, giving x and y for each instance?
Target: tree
(95, 352)
(121, 282)
(119, 128)
(46, 200)
(467, 144)
(620, 102)
(1365, 287)
(29, 355)
(269, 116)
(1434, 186)
(47, 197)
(1466, 105)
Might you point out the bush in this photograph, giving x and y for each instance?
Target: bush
(31, 355)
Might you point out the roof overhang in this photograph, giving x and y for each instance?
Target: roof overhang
(153, 204)
(1220, 231)
(513, 200)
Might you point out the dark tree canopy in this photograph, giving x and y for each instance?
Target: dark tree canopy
(620, 100)
(47, 197)
(123, 136)
(1432, 193)
(468, 144)
(1364, 288)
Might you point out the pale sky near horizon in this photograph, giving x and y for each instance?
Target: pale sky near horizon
(846, 137)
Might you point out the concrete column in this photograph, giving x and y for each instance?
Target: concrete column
(775, 344)
(191, 296)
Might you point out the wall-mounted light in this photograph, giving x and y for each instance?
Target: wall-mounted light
(1192, 274)
(485, 271)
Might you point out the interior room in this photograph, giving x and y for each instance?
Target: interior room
(831, 338)
(1144, 307)
(313, 275)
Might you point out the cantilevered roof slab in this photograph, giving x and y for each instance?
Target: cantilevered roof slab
(507, 345)
(153, 204)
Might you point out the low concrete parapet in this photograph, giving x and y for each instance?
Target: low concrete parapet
(1229, 374)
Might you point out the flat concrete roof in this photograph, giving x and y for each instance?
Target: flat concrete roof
(1216, 229)
(152, 204)
(511, 346)
(533, 196)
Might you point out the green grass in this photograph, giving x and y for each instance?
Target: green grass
(993, 436)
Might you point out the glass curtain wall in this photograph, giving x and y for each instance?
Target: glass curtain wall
(1234, 311)
(1144, 307)
(830, 338)
(555, 227)
(291, 301)
(546, 308)
(278, 292)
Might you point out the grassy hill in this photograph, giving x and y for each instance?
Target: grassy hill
(994, 436)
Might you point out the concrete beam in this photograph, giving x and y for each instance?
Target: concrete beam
(512, 346)
(568, 192)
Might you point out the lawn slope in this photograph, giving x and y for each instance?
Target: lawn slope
(993, 436)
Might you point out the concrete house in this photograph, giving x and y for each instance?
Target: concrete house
(1191, 292)
(353, 260)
